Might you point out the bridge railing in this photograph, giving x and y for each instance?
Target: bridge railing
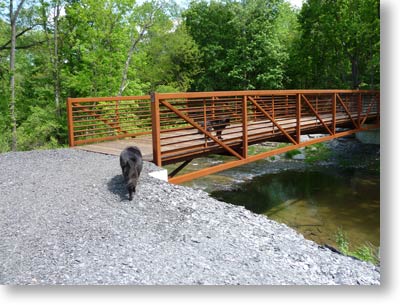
(188, 125)
(107, 118)
(194, 124)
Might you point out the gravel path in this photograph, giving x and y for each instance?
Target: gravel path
(65, 219)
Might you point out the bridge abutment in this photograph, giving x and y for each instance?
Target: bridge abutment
(370, 136)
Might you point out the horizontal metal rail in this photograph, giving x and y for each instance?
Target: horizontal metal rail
(107, 118)
(184, 126)
(195, 124)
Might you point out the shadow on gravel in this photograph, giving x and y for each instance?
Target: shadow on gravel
(117, 186)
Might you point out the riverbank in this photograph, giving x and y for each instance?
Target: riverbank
(65, 219)
(345, 152)
(322, 191)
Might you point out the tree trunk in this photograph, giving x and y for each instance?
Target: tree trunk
(12, 78)
(13, 21)
(355, 72)
(56, 71)
(128, 61)
(146, 26)
(371, 81)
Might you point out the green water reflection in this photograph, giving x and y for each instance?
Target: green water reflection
(316, 203)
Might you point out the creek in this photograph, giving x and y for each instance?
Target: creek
(317, 201)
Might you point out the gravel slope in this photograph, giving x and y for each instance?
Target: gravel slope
(65, 219)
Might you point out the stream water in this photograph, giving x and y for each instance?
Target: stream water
(316, 201)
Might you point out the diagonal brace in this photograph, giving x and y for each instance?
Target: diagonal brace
(316, 114)
(99, 116)
(271, 119)
(347, 110)
(203, 130)
(368, 111)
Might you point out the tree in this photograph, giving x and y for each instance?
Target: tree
(212, 26)
(50, 15)
(23, 24)
(95, 45)
(244, 45)
(338, 46)
(13, 24)
(141, 23)
(260, 55)
(171, 60)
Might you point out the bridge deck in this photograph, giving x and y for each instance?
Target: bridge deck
(115, 147)
(175, 127)
(259, 131)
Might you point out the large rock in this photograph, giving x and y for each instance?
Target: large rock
(299, 157)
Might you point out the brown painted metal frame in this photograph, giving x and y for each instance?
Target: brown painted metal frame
(176, 116)
(232, 164)
(250, 98)
(271, 119)
(78, 112)
(202, 129)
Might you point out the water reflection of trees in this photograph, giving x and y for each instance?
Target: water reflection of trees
(316, 203)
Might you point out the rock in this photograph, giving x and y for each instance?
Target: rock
(304, 138)
(66, 233)
(299, 157)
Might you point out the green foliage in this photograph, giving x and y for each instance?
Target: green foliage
(365, 252)
(291, 153)
(211, 45)
(212, 27)
(171, 61)
(40, 130)
(257, 149)
(243, 45)
(317, 152)
(5, 135)
(338, 45)
(342, 241)
(95, 47)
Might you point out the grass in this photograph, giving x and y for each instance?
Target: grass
(256, 149)
(365, 253)
(317, 152)
(291, 153)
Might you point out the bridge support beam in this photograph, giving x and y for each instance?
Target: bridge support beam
(298, 117)
(232, 164)
(179, 168)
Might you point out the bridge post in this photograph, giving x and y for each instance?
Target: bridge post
(359, 110)
(244, 127)
(334, 113)
(70, 123)
(155, 128)
(298, 117)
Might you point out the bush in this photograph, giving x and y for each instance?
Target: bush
(291, 153)
(364, 253)
(40, 130)
(317, 152)
(5, 135)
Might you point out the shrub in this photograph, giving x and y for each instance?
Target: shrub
(291, 153)
(364, 253)
(317, 152)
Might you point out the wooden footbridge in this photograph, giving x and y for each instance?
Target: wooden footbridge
(178, 127)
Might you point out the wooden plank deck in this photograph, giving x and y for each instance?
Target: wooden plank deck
(187, 139)
(115, 147)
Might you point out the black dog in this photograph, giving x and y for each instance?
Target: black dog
(131, 164)
(217, 125)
